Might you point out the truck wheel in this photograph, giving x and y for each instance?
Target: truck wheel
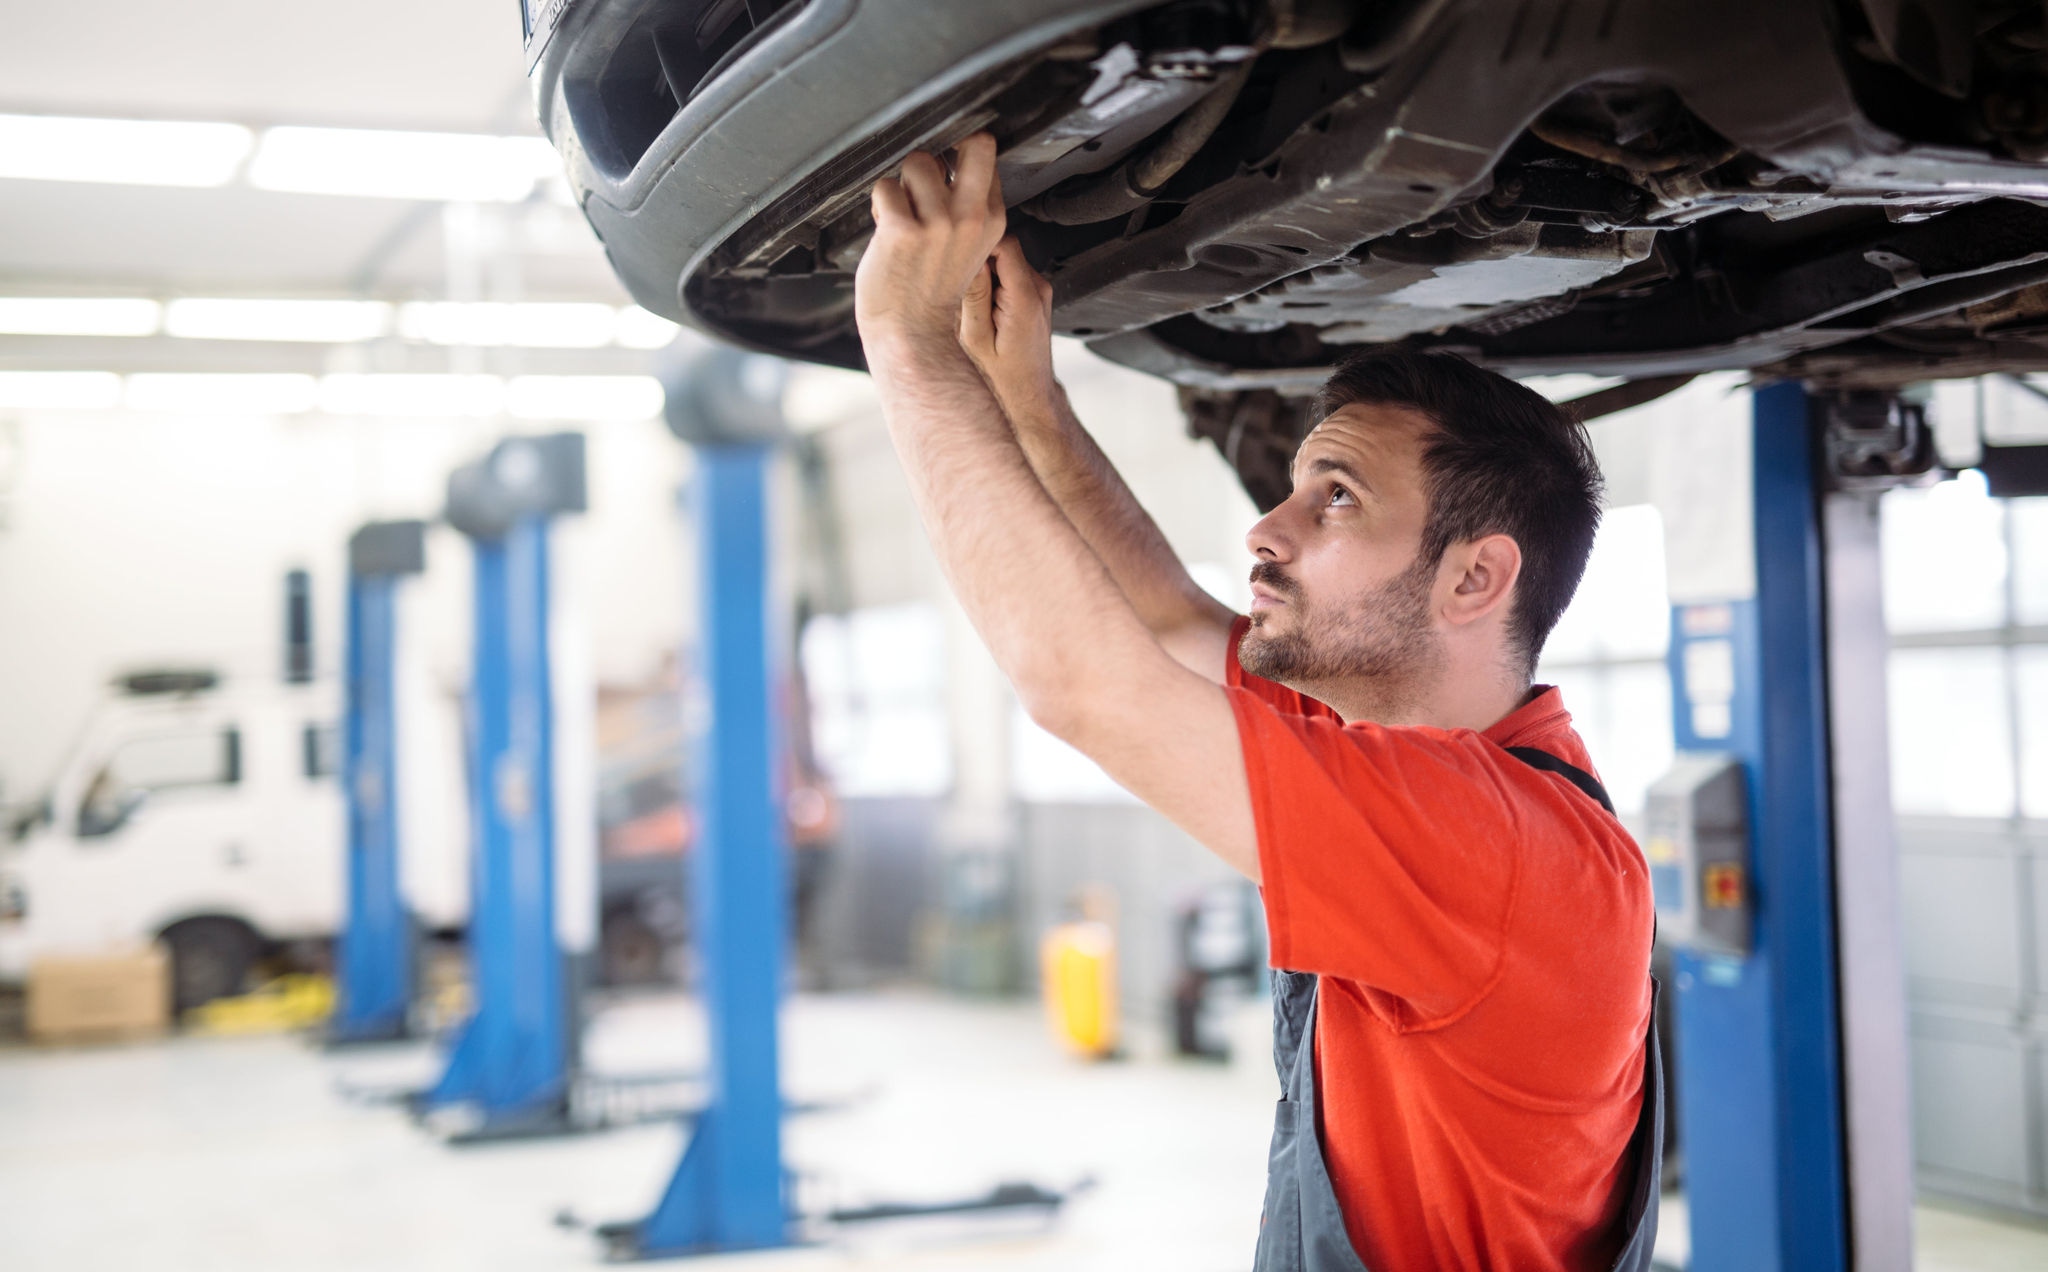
(210, 958)
(632, 952)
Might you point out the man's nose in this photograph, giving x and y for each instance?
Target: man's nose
(1271, 538)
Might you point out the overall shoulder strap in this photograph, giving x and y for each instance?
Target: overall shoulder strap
(1572, 773)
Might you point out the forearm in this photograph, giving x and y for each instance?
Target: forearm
(1023, 572)
(1194, 625)
(1082, 662)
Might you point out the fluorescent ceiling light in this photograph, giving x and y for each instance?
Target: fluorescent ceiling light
(455, 167)
(320, 321)
(532, 326)
(202, 394)
(78, 390)
(641, 329)
(81, 316)
(121, 151)
(527, 325)
(583, 397)
(412, 395)
(533, 397)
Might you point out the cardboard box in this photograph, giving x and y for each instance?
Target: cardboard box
(100, 998)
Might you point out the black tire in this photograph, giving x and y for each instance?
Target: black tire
(632, 951)
(210, 958)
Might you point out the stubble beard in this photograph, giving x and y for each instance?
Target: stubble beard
(1377, 650)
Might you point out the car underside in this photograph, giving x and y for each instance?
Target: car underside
(1234, 194)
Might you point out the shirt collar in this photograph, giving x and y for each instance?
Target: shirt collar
(1540, 713)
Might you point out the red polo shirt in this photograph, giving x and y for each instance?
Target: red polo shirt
(1482, 930)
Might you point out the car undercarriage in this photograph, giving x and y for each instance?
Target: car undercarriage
(1233, 194)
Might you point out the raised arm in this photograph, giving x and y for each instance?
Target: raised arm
(1006, 327)
(1066, 635)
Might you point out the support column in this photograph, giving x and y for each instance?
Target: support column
(1877, 1093)
(729, 1191)
(375, 959)
(512, 1057)
(1760, 1057)
(514, 1061)
(374, 963)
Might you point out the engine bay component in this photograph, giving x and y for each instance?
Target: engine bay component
(1235, 194)
(1398, 286)
(1122, 192)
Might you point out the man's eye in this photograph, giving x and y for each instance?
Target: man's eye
(1340, 497)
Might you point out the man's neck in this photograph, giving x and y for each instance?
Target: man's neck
(1451, 700)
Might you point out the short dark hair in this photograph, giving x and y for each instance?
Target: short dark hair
(1502, 459)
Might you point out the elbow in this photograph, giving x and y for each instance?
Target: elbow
(1053, 706)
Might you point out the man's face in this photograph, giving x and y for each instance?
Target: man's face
(1337, 593)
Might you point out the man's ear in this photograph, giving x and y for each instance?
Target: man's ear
(1482, 573)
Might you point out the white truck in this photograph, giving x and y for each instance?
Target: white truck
(209, 815)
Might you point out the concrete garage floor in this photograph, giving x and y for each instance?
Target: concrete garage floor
(224, 1154)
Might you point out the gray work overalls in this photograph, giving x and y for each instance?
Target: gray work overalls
(1303, 1229)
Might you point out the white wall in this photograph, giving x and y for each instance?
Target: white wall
(132, 540)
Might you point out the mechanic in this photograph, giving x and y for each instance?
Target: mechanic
(1463, 1025)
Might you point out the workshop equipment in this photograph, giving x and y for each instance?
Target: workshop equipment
(731, 1190)
(374, 962)
(1696, 838)
(300, 1000)
(1077, 979)
(514, 1061)
(1771, 846)
(728, 1193)
(1077, 976)
(1219, 949)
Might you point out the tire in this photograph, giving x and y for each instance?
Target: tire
(210, 958)
(632, 951)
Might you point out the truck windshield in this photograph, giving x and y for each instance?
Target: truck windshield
(154, 762)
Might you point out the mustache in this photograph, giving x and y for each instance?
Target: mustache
(1275, 578)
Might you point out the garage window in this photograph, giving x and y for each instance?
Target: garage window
(1969, 667)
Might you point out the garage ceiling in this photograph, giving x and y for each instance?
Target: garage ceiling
(433, 65)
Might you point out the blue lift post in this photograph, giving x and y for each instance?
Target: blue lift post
(514, 1060)
(375, 963)
(730, 1191)
(1760, 1061)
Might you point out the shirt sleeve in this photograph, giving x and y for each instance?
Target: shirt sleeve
(1388, 856)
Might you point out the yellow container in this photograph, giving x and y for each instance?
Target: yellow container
(1077, 976)
(281, 1005)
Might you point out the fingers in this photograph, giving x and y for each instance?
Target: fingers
(974, 176)
(928, 264)
(977, 313)
(1014, 273)
(977, 190)
(972, 192)
(924, 180)
(888, 202)
(981, 286)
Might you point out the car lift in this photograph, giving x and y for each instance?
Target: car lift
(731, 1191)
(375, 961)
(1792, 1050)
(515, 1059)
